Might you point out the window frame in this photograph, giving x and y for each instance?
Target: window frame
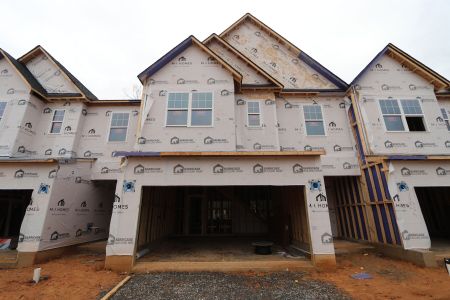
(259, 114)
(425, 125)
(325, 131)
(190, 109)
(442, 110)
(2, 116)
(403, 115)
(52, 121)
(110, 126)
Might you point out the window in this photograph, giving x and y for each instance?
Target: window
(413, 115)
(313, 120)
(57, 121)
(392, 115)
(119, 127)
(2, 109)
(443, 111)
(408, 117)
(201, 114)
(254, 114)
(177, 109)
(189, 109)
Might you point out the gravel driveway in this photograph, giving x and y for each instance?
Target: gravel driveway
(205, 285)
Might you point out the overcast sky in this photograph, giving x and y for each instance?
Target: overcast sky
(106, 44)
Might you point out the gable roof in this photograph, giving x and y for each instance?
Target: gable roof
(341, 84)
(83, 90)
(24, 72)
(169, 56)
(439, 81)
(236, 52)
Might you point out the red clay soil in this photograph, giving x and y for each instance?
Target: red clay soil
(392, 279)
(76, 276)
(81, 276)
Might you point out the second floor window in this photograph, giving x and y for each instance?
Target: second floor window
(189, 109)
(443, 112)
(313, 119)
(57, 121)
(119, 127)
(253, 114)
(408, 117)
(2, 109)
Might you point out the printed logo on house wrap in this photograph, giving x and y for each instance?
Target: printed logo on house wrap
(58, 236)
(112, 240)
(399, 204)
(180, 169)
(338, 148)
(140, 169)
(118, 206)
(420, 144)
(326, 238)
(29, 238)
(442, 172)
(299, 169)
(258, 146)
(389, 144)
(176, 140)
(220, 169)
(259, 169)
(406, 235)
(410, 172)
(209, 140)
(106, 170)
(21, 174)
(348, 166)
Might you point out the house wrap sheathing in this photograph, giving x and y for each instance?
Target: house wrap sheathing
(239, 113)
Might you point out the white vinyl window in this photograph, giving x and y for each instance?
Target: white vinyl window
(313, 119)
(2, 109)
(413, 115)
(408, 117)
(119, 127)
(444, 116)
(57, 121)
(392, 115)
(253, 114)
(189, 109)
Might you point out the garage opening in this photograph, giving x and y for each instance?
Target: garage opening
(221, 223)
(13, 204)
(435, 205)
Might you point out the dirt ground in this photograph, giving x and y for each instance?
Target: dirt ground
(76, 276)
(80, 275)
(392, 279)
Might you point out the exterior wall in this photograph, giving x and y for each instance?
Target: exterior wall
(16, 93)
(388, 78)
(40, 179)
(340, 158)
(275, 58)
(49, 222)
(248, 73)
(263, 138)
(191, 70)
(403, 178)
(94, 142)
(49, 75)
(216, 171)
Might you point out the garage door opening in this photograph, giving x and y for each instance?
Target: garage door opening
(435, 205)
(220, 223)
(13, 204)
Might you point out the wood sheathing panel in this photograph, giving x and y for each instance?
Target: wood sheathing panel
(157, 214)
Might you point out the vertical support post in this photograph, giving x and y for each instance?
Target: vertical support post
(322, 247)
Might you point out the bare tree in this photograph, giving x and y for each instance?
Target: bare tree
(135, 93)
